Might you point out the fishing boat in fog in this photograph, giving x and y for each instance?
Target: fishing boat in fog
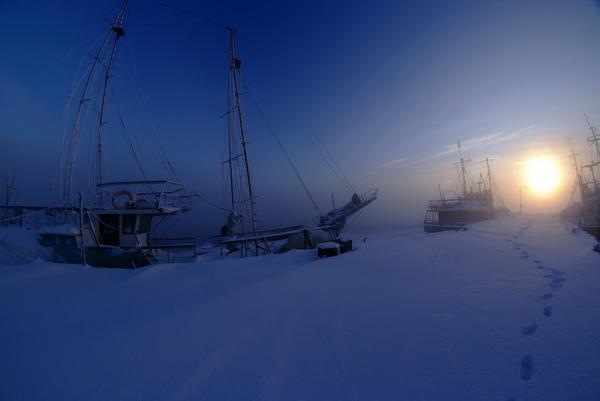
(587, 213)
(474, 203)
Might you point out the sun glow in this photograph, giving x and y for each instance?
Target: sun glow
(542, 175)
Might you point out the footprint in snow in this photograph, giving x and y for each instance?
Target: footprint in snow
(529, 330)
(557, 279)
(548, 311)
(527, 368)
(524, 255)
(547, 296)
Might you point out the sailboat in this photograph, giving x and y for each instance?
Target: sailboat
(115, 227)
(475, 202)
(241, 233)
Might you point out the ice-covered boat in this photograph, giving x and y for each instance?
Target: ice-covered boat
(241, 234)
(475, 202)
(113, 226)
(587, 213)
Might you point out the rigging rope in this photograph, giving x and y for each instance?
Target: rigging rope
(260, 110)
(77, 79)
(161, 151)
(191, 14)
(329, 164)
(337, 166)
(128, 138)
(213, 204)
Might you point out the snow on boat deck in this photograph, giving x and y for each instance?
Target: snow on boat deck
(505, 310)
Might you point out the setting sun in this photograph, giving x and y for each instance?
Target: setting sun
(542, 175)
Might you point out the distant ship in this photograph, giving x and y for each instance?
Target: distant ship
(589, 189)
(475, 202)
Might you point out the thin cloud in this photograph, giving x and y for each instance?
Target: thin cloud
(391, 163)
(474, 143)
(469, 144)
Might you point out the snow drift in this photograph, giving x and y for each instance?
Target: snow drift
(505, 310)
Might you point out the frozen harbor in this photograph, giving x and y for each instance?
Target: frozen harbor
(504, 311)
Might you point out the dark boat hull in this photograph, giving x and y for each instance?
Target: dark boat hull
(116, 257)
(65, 249)
(454, 219)
(592, 230)
(436, 228)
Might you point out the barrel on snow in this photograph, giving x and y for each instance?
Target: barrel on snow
(334, 248)
(327, 249)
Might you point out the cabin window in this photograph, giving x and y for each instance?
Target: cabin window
(129, 224)
(108, 228)
(144, 225)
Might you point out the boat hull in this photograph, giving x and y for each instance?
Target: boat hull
(116, 257)
(592, 230)
(454, 218)
(436, 228)
(65, 248)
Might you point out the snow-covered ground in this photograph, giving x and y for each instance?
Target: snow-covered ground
(507, 310)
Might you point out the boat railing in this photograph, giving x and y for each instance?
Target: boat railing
(172, 242)
(369, 195)
(36, 216)
(163, 195)
(438, 204)
(172, 248)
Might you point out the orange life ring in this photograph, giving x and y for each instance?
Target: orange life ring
(120, 193)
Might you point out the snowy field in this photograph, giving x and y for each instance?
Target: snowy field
(508, 310)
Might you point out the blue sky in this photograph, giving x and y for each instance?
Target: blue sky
(388, 86)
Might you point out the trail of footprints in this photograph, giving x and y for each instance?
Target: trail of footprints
(556, 279)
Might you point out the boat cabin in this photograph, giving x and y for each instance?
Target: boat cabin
(123, 228)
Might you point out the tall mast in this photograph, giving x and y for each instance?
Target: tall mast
(489, 173)
(230, 135)
(490, 182)
(579, 182)
(595, 139)
(462, 172)
(73, 142)
(234, 67)
(117, 29)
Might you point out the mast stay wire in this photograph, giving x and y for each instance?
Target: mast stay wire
(336, 165)
(77, 79)
(155, 138)
(138, 158)
(189, 13)
(287, 156)
(271, 129)
(328, 163)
